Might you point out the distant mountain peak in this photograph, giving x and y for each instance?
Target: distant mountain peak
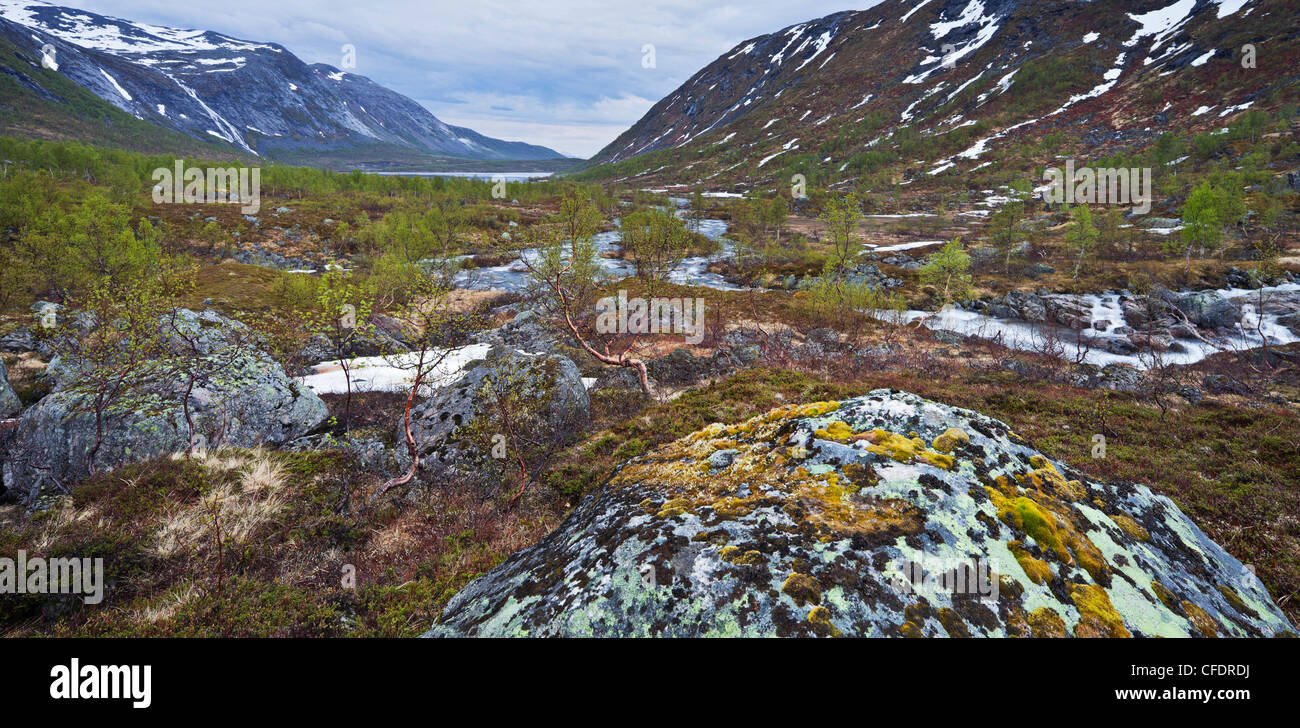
(257, 97)
(927, 87)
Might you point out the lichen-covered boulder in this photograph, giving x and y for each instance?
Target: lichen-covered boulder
(883, 515)
(546, 392)
(245, 400)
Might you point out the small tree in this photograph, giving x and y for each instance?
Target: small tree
(1081, 237)
(569, 283)
(1208, 210)
(949, 266)
(696, 210)
(841, 217)
(578, 217)
(342, 319)
(518, 426)
(436, 327)
(210, 235)
(1005, 229)
(447, 218)
(775, 214)
(656, 241)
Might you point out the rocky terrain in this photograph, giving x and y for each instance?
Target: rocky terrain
(927, 90)
(838, 518)
(888, 387)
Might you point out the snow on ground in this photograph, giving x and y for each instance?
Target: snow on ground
(1228, 7)
(1235, 109)
(902, 246)
(391, 373)
(1161, 23)
(116, 85)
(915, 8)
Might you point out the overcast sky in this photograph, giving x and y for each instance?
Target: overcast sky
(567, 74)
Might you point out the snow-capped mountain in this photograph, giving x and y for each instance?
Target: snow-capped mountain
(257, 97)
(938, 86)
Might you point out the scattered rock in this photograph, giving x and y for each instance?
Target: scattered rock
(18, 341)
(526, 332)
(1222, 384)
(1209, 309)
(1117, 377)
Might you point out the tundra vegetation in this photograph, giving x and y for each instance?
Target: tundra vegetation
(322, 539)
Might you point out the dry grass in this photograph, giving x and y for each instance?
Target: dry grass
(237, 509)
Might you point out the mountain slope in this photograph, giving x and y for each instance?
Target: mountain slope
(927, 88)
(257, 98)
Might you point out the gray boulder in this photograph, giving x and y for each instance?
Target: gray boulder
(841, 518)
(1117, 377)
(9, 403)
(247, 401)
(442, 425)
(18, 341)
(1027, 306)
(526, 332)
(1209, 309)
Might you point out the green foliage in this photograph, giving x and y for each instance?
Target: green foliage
(843, 305)
(1208, 210)
(949, 267)
(841, 216)
(1081, 236)
(341, 318)
(1005, 225)
(655, 241)
(117, 350)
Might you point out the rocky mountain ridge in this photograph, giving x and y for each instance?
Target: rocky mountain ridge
(937, 88)
(258, 98)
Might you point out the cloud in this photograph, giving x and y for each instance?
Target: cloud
(567, 74)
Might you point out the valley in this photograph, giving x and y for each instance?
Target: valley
(388, 401)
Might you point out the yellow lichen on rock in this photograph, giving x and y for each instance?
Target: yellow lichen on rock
(1037, 570)
(904, 449)
(1202, 621)
(839, 431)
(950, 439)
(1165, 596)
(1050, 523)
(1046, 478)
(1097, 616)
(1045, 622)
(1130, 526)
(820, 619)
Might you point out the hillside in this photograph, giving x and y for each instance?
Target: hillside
(973, 90)
(249, 97)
